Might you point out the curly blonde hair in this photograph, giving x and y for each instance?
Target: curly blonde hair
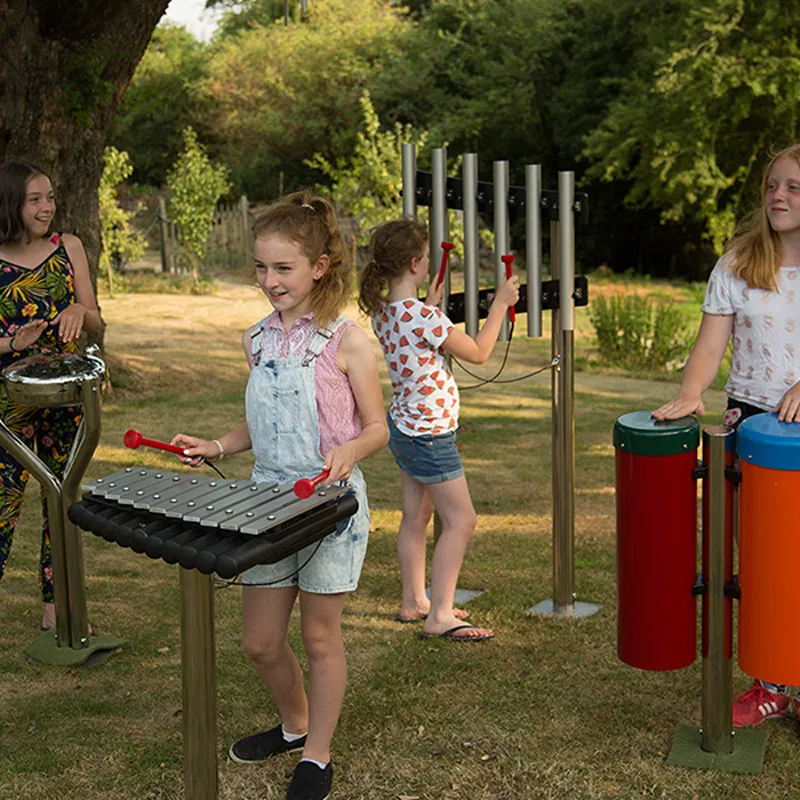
(392, 246)
(755, 246)
(309, 220)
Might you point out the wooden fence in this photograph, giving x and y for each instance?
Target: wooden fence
(229, 245)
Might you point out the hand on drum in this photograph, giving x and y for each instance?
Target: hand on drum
(197, 450)
(788, 410)
(680, 407)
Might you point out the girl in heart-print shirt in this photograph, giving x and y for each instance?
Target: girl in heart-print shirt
(423, 416)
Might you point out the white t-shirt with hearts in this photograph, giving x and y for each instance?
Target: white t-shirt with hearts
(766, 333)
(424, 392)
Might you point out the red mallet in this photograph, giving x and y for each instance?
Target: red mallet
(305, 486)
(133, 439)
(446, 248)
(508, 260)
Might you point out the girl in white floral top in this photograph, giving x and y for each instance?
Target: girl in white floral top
(423, 417)
(753, 298)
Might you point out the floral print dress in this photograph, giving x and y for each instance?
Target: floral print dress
(41, 292)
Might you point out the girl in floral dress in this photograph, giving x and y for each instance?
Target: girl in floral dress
(46, 300)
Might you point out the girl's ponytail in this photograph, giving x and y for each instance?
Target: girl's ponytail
(392, 247)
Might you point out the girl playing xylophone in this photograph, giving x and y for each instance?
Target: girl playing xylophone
(46, 300)
(753, 295)
(423, 417)
(313, 403)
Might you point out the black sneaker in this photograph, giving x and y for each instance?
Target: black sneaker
(309, 782)
(261, 746)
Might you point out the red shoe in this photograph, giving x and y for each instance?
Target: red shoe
(754, 705)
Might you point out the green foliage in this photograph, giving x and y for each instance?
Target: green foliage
(120, 238)
(638, 333)
(195, 187)
(281, 93)
(369, 186)
(712, 86)
(163, 98)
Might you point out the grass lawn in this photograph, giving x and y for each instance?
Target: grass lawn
(544, 710)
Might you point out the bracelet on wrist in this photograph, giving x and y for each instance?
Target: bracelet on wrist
(11, 344)
(221, 450)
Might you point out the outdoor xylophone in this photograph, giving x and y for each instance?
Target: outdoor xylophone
(209, 524)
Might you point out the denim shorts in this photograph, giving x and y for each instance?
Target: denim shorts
(426, 458)
(330, 566)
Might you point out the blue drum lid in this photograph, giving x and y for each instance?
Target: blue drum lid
(764, 441)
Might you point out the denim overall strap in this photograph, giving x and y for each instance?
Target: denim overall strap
(282, 416)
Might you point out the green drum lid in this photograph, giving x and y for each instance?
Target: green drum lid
(641, 435)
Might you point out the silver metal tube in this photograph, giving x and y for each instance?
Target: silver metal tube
(501, 242)
(471, 243)
(717, 723)
(561, 599)
(199, 686)
(409, 162)
(533, 246)
(18, 450)
(564, 552)
(86, 442)
(566, 222)
(438, 225)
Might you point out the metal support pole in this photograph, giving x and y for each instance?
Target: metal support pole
(717, 725)
(563, 562)
(471, 243)
(18, 450)
(501, 238)
(562, 249)
(716, 745)
(409, 162)
(533, 245)
(199, 686)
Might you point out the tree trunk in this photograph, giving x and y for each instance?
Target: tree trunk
(64, 68)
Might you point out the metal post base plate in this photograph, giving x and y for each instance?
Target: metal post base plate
(747, 757)
(45, 650)
(463, 596)
(547, 608)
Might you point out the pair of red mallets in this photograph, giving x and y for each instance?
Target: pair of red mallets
(507, 259)
(133, 439)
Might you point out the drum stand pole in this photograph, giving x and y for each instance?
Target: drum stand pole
(199, 686)
(716, 745)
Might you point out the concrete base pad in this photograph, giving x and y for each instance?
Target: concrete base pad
(547, 609)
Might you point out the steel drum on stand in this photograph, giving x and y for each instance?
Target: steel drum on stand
(52, 381)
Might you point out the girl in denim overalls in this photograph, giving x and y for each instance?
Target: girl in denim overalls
(313, 402)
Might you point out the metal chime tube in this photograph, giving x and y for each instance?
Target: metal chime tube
(563, 556)
(409, 161)
(533, 246)
(555, 395)
(471, 243)
(438, 226)
(717, 722)
(501, 237)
